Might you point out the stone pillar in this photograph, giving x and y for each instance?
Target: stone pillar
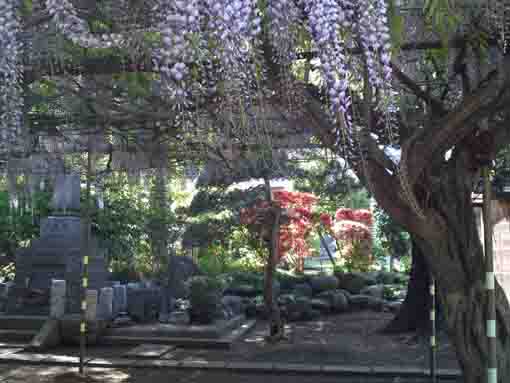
(123, 298)
(105, 306)
(91, 314)
(119, 299)
(57, 298)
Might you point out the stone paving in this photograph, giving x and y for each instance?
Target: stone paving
(64, 374)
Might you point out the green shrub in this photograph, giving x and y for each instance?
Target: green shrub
(205, 298)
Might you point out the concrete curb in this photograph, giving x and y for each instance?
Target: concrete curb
(257, 367)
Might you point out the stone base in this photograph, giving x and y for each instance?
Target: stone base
(224, 341)
(164, 330)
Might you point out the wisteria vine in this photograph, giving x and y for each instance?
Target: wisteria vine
(219, 39)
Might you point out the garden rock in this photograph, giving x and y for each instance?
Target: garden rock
(376, 291)
(244, 290)
(360, 302)
(376, 304)
(323, 305)
(388, 278)
(233, 303)
(288, 282)
(299, 309)
(261, 311)
(311, 315)
(250, 310)
(338, 300)
(276, 288)
(286, 299)
(324, 283)
(354, 282)
(179, 318)
(394, 306)
(303, 289)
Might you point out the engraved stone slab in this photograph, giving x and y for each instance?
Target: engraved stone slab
(67, 192)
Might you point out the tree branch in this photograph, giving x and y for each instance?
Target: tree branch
(436, 105)
(429, 145)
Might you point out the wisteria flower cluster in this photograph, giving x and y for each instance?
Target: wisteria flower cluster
(283, 18)
(234, 27)
(11, 100)
(76, 29)
(180, 20)
(326, 19)
(221, 38)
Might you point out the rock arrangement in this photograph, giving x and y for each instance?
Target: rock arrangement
(307, 298)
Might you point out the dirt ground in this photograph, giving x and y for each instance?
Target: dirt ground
(345, 339)
(349, 339)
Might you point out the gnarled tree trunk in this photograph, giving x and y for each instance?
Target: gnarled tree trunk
(449, 241)
(414, 312)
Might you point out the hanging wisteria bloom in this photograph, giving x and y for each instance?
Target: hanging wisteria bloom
(326, 17)
(180, 20)
(283, 19)
(214, 45)
(76, 29)
(234, 26)
(11, 100)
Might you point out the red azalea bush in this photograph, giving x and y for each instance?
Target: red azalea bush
(352, 227)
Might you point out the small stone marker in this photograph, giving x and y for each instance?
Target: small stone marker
(91, 313)
(105, 305)
(149, 351)
(123, 298)
(58, 298)
(119, 294)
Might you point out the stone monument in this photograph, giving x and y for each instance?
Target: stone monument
(56, 255)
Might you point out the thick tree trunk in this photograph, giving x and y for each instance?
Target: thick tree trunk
(414, 313)
(450, 243)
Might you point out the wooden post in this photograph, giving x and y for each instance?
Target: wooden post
(492, 365)
(85, 265)
(433, 343)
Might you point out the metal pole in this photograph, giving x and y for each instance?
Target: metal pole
(492, 363)
(85, 266)
(433, 377)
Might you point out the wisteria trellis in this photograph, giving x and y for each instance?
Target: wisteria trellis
(199, 35)
(224, 32)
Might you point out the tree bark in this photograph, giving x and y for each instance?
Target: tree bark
(414, 312)
(449, 241)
